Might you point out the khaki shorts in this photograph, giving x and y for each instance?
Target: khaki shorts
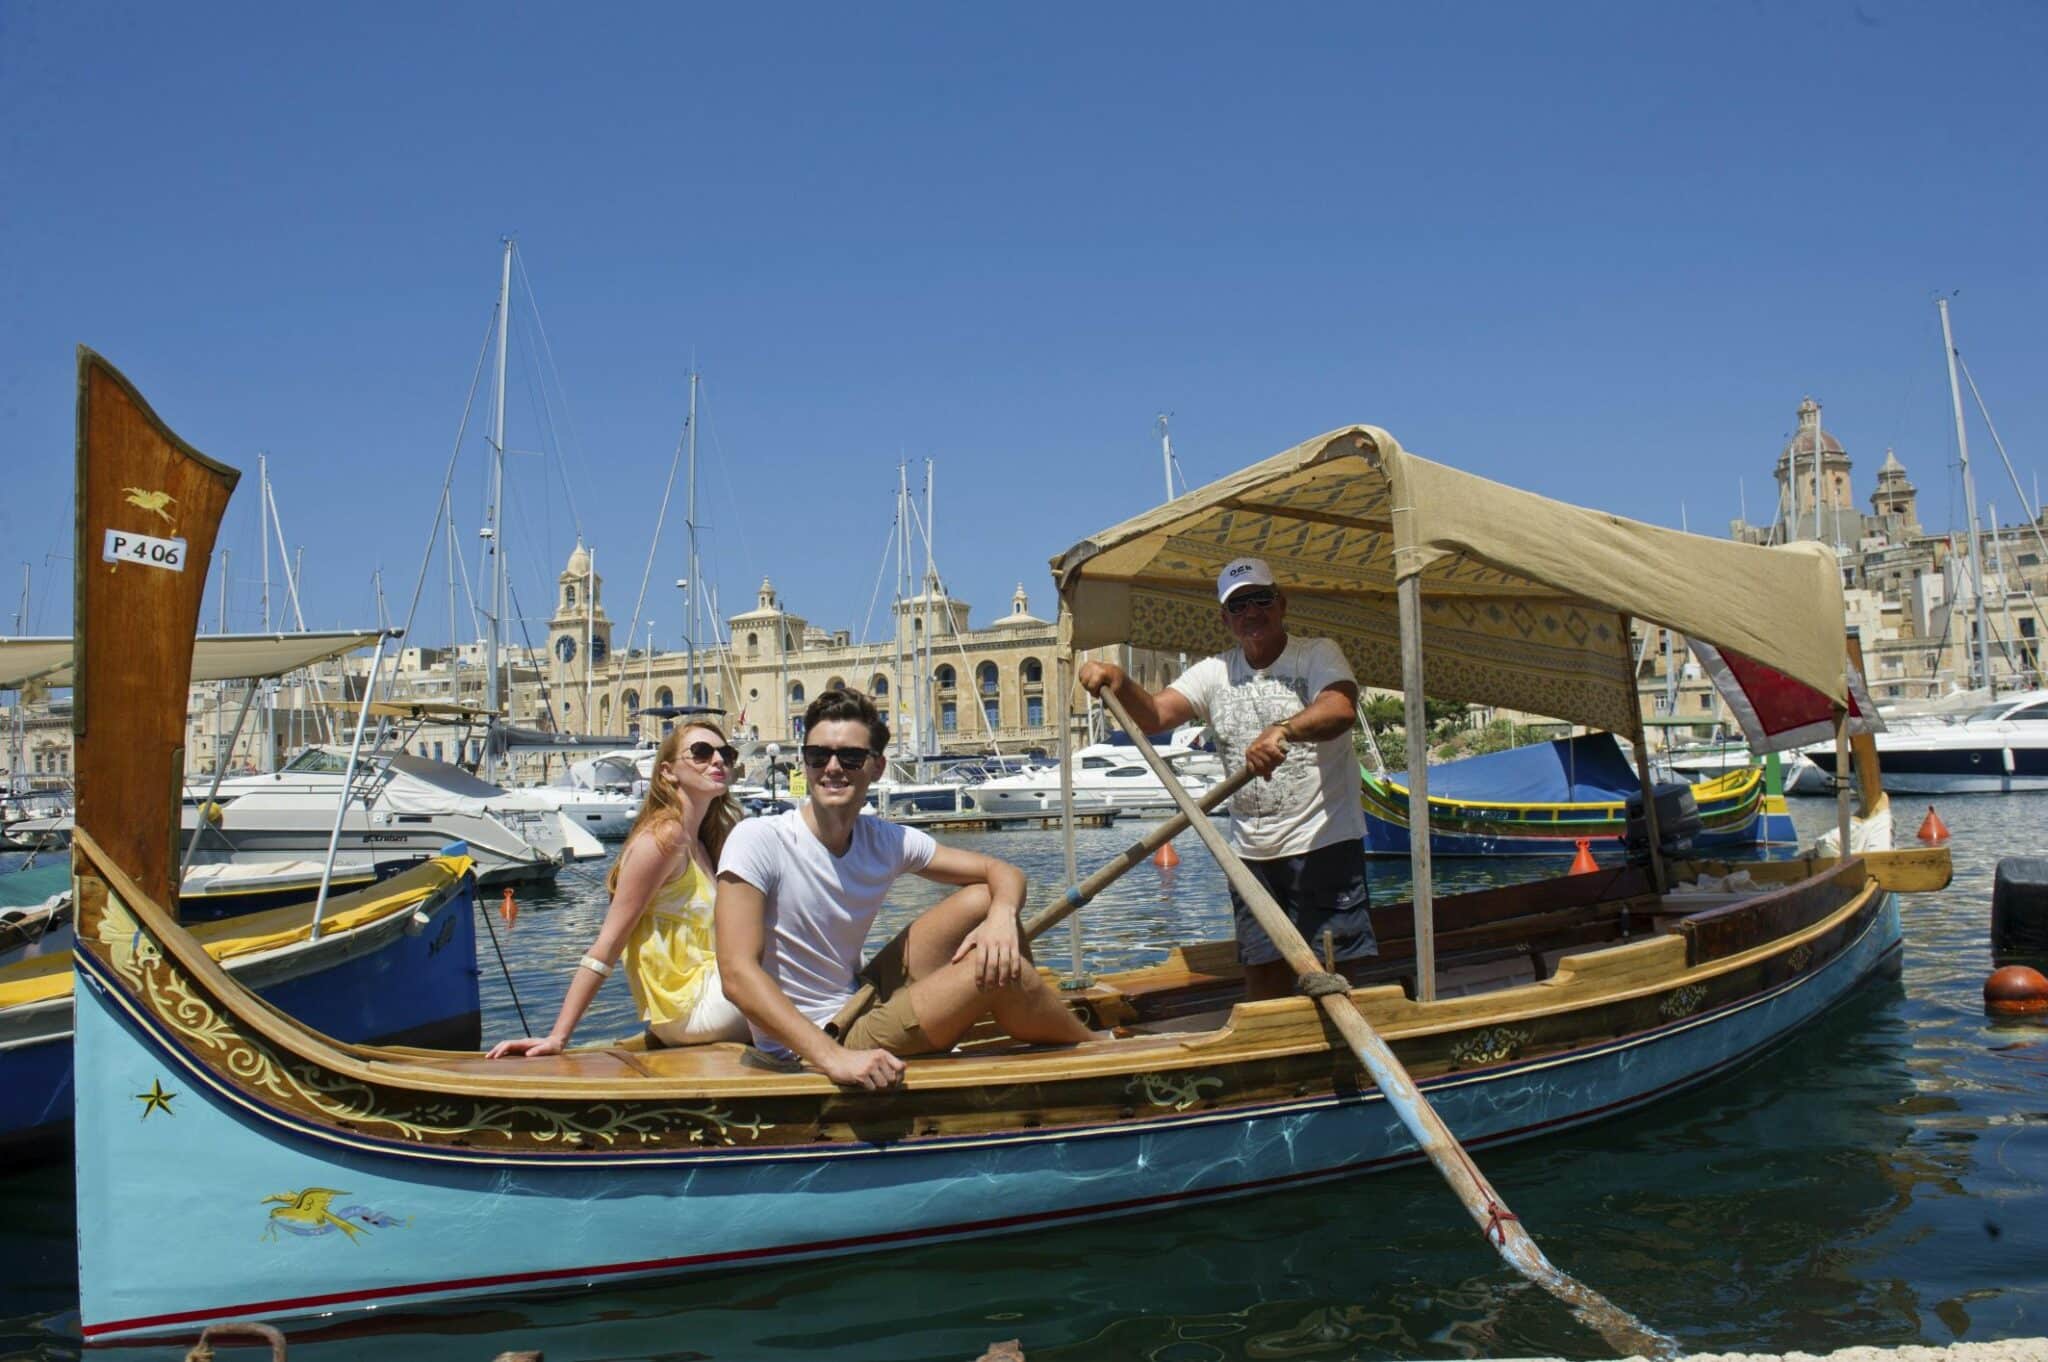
(890, 1023)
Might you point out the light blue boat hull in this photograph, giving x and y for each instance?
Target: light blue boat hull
(454, 1223)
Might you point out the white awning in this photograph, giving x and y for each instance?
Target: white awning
(215, 657)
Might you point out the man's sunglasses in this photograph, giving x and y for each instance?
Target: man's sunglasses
(1242, 601)
(704, 751)
(850, 758)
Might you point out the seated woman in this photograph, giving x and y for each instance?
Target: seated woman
(662, 888)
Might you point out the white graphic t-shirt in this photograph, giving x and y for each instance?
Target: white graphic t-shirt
(1312, 799)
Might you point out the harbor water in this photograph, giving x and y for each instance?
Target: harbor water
(1880, 1179)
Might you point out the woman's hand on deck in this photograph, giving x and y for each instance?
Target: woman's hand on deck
(530, 1046)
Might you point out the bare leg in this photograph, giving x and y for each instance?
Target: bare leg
(949, 1001)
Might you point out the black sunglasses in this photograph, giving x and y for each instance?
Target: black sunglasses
(1242, 601)
(704, 751)
(850, 758)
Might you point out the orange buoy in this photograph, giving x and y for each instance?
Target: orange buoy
(507, 909)
(1166, 857)
(2016, 991)
(1932, 829)
(1582, 861)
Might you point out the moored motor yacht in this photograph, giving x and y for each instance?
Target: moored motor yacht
(399, 803)
(1105, 776)
(1996, 749)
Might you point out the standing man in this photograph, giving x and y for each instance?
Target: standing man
(1284, 707)
(798, 891)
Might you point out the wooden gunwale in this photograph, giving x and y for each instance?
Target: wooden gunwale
(1266, 1053)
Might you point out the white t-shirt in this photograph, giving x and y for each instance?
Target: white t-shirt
(819, 906)
(1312, 800)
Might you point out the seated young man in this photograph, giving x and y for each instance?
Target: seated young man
(798, 891)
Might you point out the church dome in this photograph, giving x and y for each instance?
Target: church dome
(1801, 444)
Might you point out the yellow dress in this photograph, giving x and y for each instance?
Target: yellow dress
(670, 957)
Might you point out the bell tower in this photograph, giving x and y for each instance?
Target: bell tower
(579, 637)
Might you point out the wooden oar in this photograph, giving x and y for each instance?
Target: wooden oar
(1628, 1335)
(1060, 909)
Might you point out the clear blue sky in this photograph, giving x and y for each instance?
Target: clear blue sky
(1599, 251)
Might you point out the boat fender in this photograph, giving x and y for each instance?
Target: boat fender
(1582, 860)
(418, 922)
(455, 849)
(211, 812)
(2019, 907)
(508, 909)
(2016, 991)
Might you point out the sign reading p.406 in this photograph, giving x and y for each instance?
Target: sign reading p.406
(127, 546)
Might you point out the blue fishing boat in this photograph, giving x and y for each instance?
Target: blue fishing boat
(322, 1178)
(1544, 798)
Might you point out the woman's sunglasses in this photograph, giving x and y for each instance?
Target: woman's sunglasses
(701, 752)
(1242, 601)
(850, 758)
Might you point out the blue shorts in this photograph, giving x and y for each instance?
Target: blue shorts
(1321, 891)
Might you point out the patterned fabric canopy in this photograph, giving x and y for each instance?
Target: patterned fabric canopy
(1525, 601)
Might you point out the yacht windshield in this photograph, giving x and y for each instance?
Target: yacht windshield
(318, 761)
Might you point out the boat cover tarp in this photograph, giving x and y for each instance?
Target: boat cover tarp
(215, 657)
(1588, 769)
(1525, 600)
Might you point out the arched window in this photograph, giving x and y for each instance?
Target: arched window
(664, 697)
(1031, 672)
(985, 678)
(753, 644)
(569, 597)
(796, 692)
(630, 701)
(878, 685)
(944, 677)
(604, 712)
(699, 697)
(836, 683)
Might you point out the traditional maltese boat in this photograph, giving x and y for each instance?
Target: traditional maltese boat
(1545, 798)
(318, 1178)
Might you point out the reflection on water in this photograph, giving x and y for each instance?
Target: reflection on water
(1878, 1180)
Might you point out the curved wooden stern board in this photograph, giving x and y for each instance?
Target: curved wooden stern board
(149, 506)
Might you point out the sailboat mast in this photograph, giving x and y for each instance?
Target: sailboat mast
(1982, 654)
(901, 618)
(269, 687)
(589, 633)
(491, 531)
(690, 567)
(1166, 454)
(931, 590)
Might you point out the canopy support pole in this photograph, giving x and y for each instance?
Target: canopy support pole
(1417, 720)
(1063, 678)
(1863, 747)
(348, 780)
(1842, 782)
(1644, 780)
(213, 790)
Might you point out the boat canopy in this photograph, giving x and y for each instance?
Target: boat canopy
(215, 657)
(1525, 601)
(1588, 769)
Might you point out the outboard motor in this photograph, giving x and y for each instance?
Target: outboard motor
(1678, 822)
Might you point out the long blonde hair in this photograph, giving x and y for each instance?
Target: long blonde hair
(662, 810)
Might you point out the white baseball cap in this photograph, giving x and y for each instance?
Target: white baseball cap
(1242, 572)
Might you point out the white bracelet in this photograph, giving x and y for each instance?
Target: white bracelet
(596, 966)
